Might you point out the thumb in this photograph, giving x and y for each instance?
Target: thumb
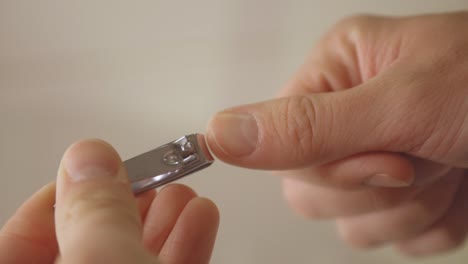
(291, 132)
(97, 220)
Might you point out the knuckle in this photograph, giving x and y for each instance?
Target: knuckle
(99, 205)
(420, 112)
(434, 82)
(414, 112)
(356, 25)
(298, 124)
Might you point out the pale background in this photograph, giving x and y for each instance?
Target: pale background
(141, 73)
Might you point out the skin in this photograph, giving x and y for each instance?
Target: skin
(97, 219)
(372, 132)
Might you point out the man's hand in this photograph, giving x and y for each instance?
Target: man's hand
(98, 220)
(372, 131)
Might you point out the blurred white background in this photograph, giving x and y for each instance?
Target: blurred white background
(141, 73)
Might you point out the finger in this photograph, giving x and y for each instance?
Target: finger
(192, 238)
(404, 221)
(29, 236)
(97, 219)
(313, 201)
(344, 58)
(163, 215)
(144, 201)
(374, 169)
(448, 233)
(331, 66)
(293, 132)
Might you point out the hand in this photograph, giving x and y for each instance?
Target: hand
(372, 131)
(98, 220)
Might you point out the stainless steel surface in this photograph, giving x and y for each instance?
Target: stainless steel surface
(168, 163)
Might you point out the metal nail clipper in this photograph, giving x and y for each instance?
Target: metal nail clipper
(168, 162)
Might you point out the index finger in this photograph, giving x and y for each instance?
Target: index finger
(29, 236)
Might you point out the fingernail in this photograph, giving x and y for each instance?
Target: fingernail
(91, 160)
(385, 180)
(235, 133)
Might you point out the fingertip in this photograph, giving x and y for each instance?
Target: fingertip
(179, 190)
(192, 239)
(232, 136)
(90, 153)
(89, 162)
(354, 238)
(163, 214)
(390, 171)
(207, 208)
(103, 146)
(48, 188)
